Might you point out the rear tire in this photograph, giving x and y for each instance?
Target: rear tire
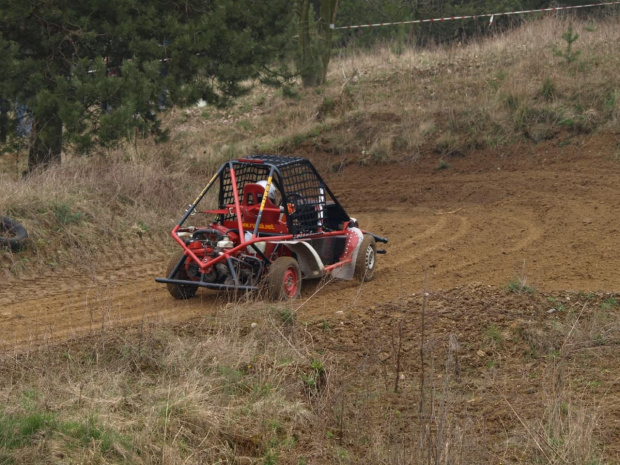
(366, 261)
(179, 291)
(12, 234)
(284, 279)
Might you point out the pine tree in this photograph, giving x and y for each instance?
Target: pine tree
(93, 73)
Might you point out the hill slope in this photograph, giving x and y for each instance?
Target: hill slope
(490, 331)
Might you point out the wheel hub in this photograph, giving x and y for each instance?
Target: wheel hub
(290, 282)
(370, 258)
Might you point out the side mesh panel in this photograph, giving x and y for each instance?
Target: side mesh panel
(305, 198)
(307, 203)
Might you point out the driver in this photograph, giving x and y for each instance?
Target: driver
(272, 190)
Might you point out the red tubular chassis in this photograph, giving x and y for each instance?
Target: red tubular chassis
(276, 222)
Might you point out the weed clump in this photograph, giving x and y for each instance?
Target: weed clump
(442, 165)
(519, 286)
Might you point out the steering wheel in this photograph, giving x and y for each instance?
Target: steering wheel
(293, 201)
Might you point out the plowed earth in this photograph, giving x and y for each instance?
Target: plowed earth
(546, 216)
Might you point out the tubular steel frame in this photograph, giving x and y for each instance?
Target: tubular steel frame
(229, 254)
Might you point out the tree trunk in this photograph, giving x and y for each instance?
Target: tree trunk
(328, 17)
(4, 120)
(416, 15)
(308, 65)
(316, 54)
(4, 127)
(46, 140)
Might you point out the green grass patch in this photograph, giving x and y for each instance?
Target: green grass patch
(608, 304)
(519, 286)
(442, 165)
(19, 430)
(65, 215)
(493, 336)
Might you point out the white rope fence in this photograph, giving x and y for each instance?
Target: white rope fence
(484, 15)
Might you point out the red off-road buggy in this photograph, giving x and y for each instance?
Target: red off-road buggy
(275, 222)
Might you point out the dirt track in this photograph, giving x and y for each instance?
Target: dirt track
(547, 214)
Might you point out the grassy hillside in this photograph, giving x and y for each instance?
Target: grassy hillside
(469, 375)
(378, 107)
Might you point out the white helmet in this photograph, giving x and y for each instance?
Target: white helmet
(272, 189)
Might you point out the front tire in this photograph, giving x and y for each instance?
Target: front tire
(284, 279)
(179, 291)
(366, 259)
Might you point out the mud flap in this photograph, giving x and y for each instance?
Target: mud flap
(351, 249)
(309, 261)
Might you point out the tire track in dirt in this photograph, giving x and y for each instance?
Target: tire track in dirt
(120, 265)
(425, 234)
(533, 234)
(558, 212)
(56, 307)
(461, 229)
(400, 274)
(118, 290)
(399, 263)
(125, 295)
(98, 307)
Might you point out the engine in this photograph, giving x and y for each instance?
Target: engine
(209, 243)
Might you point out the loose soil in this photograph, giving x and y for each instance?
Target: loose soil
(542, 216)
(546, 215)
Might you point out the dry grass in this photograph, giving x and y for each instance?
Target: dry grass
(252, 384)
(569, 429)
(488, 93)
(88, 206)
(501, 396)
(212, 392)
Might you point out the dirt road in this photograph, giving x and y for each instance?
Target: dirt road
(546, 215)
